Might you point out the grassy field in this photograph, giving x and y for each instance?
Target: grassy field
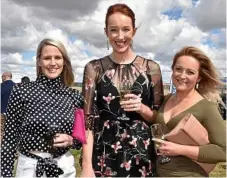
(219, 171)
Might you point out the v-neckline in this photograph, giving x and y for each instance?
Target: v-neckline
(182, 112)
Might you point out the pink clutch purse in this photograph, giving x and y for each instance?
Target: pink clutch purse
(79, 126)
(189, 131)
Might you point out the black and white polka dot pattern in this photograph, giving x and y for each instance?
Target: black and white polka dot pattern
(32, 108)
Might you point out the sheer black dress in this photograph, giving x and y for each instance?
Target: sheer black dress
(122, 148)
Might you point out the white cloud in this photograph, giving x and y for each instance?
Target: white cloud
(15, 58)
(208, 14)
(80, 26)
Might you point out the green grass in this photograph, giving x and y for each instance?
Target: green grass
(76, 154)
(219, 171)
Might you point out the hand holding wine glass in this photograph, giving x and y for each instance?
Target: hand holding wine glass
(51, 133)
(156, 130)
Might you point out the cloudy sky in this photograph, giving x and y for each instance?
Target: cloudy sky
(165, 26)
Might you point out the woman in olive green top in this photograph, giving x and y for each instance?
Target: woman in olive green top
(195, 78)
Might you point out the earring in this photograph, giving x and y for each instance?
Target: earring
(131, 43)
(107, 44)
(197, 85)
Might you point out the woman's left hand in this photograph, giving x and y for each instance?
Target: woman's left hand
(63, 140)
(168, 148)
(132, 103)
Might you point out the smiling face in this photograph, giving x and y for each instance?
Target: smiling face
(186, 73)
(51, 61)
(120, 32)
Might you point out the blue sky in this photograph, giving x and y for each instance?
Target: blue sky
(174, 13)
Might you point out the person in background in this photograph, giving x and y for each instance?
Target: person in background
(40, 118)
(6, 88)
(25, 79)
(119, 138)
(196, 81)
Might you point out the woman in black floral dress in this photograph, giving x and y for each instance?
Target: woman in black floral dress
(120, 147)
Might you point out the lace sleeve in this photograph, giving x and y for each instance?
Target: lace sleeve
(157, 93)
(91, 72)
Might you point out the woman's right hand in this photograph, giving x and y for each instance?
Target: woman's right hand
(87, 171)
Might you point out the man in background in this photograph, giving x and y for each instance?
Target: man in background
(6, 88)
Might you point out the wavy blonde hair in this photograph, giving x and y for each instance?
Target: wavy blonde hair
(67, 75)
(210, 79)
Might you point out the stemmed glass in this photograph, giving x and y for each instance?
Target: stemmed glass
(53, 129)
(156, 130)
(124, 88)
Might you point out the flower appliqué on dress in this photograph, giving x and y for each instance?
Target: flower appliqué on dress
(116, 146)
(133, 142)
(144, 126)
(108, 98)
(109, 172)
(126, 165)
(106, 124)
(110, 73)
(146, 143)
(137, 157)
(133, 70)
(143, 171)
(102, 161)
(124, 135)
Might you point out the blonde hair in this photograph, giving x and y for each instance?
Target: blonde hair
(67, 76)
(210, 80)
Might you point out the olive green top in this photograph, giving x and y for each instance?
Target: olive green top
(208, 115)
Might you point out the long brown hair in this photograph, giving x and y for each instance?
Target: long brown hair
(67, 76)
(210, 79)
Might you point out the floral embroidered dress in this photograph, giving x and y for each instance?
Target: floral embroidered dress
(122, 148)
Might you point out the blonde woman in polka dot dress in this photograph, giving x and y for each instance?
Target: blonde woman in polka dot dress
(40, 117)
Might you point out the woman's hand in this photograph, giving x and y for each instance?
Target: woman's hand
(63, 140)
(87, 171)
(168, 148)
(132, 103)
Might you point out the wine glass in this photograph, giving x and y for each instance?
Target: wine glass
(156, 130)
(53, 129)
(124, 88)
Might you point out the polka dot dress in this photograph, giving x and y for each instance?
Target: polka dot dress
(32, 110)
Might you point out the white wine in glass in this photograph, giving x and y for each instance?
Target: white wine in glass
(124, 88)
(156, 130)
(123, 93)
